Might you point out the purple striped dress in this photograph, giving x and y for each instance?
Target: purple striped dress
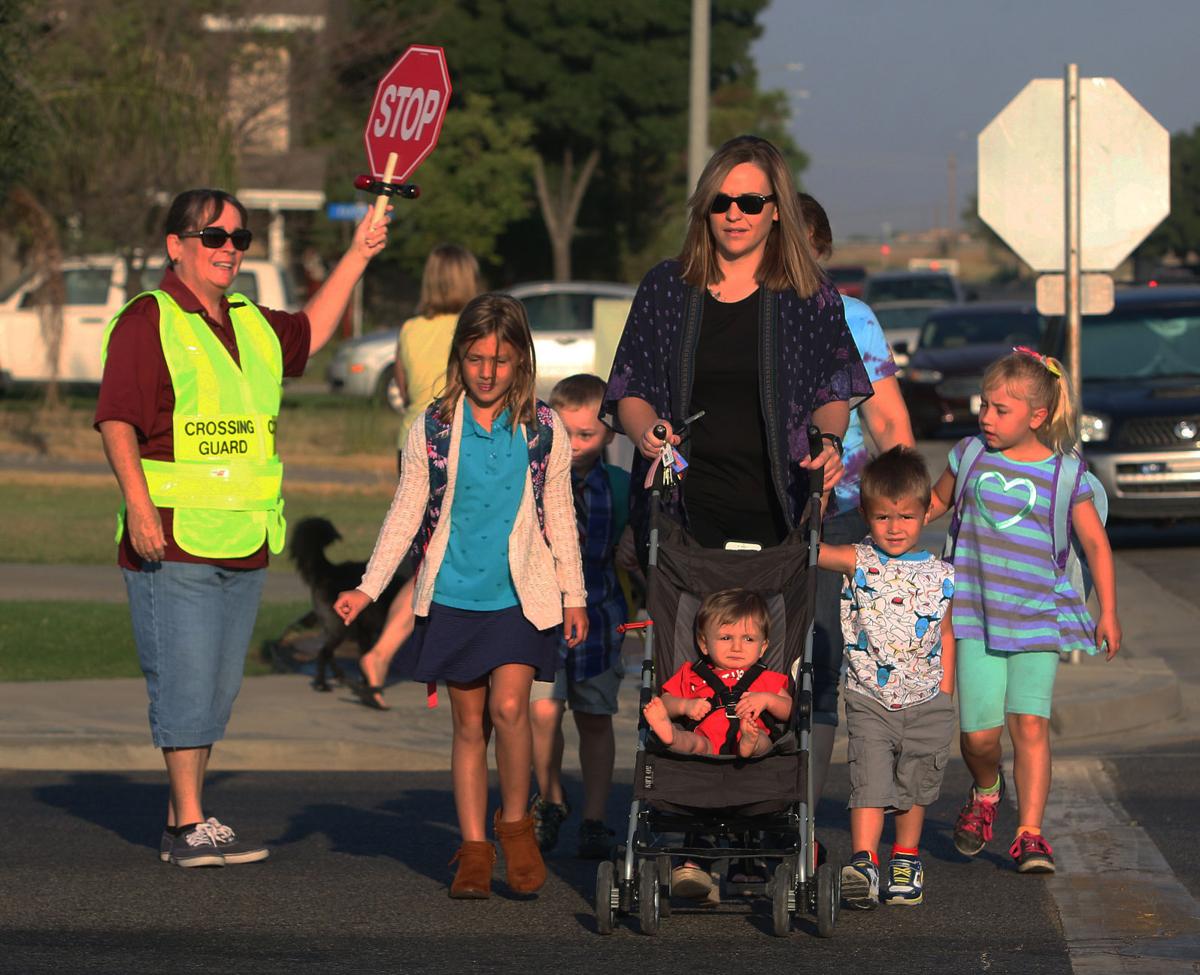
(1008, 591)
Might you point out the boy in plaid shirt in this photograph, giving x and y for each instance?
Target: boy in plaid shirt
(589, 676)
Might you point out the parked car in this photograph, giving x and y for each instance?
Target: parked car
(848, 278)
(1140, 368)
(901, 322)
(940, 384)
(575, 325)
(95, 291)
(912, 286)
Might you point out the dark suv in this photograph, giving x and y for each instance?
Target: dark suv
(1141, 400)
(940, 383)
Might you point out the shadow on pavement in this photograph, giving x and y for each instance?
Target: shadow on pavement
(132, 808)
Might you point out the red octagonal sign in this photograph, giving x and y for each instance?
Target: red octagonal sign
(407, 114)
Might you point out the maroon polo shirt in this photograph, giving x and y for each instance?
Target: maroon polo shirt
(136, 389)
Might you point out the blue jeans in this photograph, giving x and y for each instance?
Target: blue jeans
(192, 624)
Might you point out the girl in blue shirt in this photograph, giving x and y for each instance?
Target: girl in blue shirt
(486, 488)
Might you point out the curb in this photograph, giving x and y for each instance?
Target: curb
(1098, 697)
(279, 724)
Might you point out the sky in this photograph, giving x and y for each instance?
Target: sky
(883, 92)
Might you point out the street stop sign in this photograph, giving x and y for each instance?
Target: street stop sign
(406, 116)
(1124, 162)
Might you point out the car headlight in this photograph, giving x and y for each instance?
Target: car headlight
(923, 375)
(1094, 427)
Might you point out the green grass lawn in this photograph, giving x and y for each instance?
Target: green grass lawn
(314, 427)
(76, 640)
(75, 523)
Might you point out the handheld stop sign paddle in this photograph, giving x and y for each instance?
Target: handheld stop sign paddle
(405, 122)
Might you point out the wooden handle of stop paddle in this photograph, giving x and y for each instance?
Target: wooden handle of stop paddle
(381, 201)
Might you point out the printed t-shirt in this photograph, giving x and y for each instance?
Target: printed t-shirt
(877, 359)
(1010, 593)
(714, 726)
(892, 610)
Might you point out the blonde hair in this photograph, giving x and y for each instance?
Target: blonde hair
(730, 605)
(450, 279)
(582, 389)
(787, 260)
(503, 316)
(1042, 382)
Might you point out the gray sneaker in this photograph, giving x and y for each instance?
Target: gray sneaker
(196, 848)
(233, 849)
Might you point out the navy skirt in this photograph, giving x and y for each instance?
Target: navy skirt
(463, 645)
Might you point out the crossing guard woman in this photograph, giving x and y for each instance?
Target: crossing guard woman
(187, 412)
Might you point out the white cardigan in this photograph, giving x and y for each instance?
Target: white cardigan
(546, 577)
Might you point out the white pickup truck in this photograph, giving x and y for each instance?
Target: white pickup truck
(95, 291)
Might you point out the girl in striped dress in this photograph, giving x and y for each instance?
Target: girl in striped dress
(1014, 611)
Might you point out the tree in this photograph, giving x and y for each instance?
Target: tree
(474, 184)
(131, 100)
(605, 85)
(19, 131)
(1179, 234)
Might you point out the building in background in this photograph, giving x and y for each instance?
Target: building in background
(270, 89)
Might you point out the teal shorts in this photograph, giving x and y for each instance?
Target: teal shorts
(993, 683)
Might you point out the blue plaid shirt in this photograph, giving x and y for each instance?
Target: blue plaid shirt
(600, 523)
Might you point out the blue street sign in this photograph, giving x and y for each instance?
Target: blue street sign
(346, 211)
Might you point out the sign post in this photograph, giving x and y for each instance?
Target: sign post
(1073, 175)
(1073, 289)
(406, 117)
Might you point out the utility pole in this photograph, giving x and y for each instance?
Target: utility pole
(951, 195)
(698, 94)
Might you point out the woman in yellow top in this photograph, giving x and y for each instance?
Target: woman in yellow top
(451, 279)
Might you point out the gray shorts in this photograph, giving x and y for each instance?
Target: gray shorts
(897, 758)
(596, 695)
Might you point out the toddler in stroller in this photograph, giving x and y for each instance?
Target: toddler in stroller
(723, 694)
(749, 794)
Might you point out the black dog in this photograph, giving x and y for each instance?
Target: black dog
(326, 580)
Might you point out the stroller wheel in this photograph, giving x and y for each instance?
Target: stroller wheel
(648, 896)
(606, 893)
(783, 899)
(664, 886)
(829, 895)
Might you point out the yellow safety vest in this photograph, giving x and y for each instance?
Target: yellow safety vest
(224, 483)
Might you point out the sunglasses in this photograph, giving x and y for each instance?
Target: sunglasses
(748, 203)
(214, 237)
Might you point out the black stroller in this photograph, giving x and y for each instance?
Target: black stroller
(758, 808)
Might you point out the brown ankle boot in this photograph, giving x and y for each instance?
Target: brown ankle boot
(473, 879)
(525, 869)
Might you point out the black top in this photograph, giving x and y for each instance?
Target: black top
(728, 491)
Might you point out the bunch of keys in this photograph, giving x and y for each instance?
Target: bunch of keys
(673, 463)
(667, 459)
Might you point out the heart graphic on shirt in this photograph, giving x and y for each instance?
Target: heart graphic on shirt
(1007, 487)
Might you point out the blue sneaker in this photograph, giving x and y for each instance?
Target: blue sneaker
(905, 880)
(860, 882)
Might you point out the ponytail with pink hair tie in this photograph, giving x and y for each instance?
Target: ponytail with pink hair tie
(1033, 353)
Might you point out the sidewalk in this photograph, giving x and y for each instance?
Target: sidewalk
(280, 723)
